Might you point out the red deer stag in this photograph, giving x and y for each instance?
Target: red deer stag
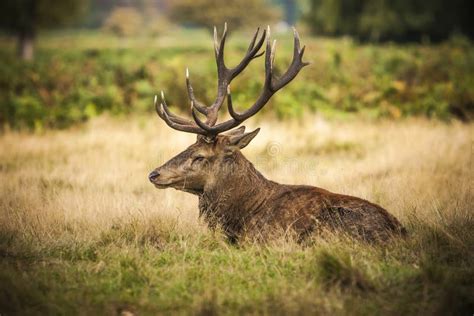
(232, 193)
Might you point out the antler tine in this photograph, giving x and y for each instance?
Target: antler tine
(252, 42)
(184, 128)
(220, 46)
(296, 64)
(229, 74)
(174, 121)
(216, 44)
(236, 117)
(172, 117)
(270, 87)
(225, 75)
(296, 43)
(230, 107)
(198, 105)
(198, 121)
(268, 61)
(211, 111)
(251, 54)
(273, 51)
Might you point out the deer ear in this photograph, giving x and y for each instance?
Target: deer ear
(236, 131)
(242, 140)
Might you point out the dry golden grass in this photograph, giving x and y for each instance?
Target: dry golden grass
(66, 190)
(94, 174)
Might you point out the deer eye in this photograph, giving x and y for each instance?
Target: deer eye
(198, 159)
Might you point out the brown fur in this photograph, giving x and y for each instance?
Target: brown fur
(233, 195)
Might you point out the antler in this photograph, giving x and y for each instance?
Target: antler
(225, 76)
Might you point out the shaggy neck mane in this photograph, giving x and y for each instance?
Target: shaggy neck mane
(235, 198)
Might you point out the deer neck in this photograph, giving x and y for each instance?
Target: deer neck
(234, 199)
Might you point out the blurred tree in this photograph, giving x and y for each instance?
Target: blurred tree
(100, 10)
(290, 8)
(24, 17)
(124, 21)
(156, 21)
(378, 19)
(208, 13)
(390, 19)
(333, 17)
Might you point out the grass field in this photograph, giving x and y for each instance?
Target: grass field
(82, 231)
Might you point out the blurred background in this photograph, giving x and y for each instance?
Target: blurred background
(64, 62)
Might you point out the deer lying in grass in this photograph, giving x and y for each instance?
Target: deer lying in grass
(232, 193)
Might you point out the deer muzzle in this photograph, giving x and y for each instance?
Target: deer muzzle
(153, 176)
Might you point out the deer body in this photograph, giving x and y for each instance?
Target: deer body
(247, 205)
(233, 195)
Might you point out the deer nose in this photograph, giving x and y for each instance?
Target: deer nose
(153, 175)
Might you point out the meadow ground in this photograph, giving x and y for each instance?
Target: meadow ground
(82, 231)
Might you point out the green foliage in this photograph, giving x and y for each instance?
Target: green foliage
(150, 268)
(72, 85)
(210, 13)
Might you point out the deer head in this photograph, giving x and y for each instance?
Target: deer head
(216, 154)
